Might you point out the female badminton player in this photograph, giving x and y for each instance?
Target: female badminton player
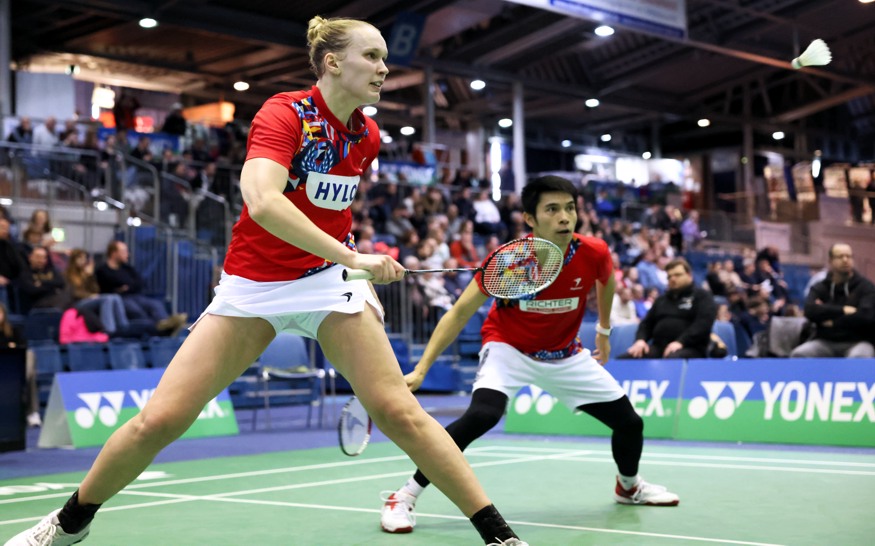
(305, 155)
(534, 342)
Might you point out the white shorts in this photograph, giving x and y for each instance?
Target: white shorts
(576, 380)
(297, 306)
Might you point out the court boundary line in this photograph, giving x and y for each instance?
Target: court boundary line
(175, 498)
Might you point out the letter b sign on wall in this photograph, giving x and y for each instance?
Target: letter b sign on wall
(404, 40)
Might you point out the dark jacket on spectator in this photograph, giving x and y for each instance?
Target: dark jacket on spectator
(43, 289)
(858, 292)
(112, 281)
(686, 315)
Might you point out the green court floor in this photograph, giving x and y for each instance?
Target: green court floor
(553, 492)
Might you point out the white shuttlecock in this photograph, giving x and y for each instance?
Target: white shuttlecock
(816, 54)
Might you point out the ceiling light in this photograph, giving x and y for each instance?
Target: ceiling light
(504, 123)
(866, 1)
(241, 86)
(704, 122)
(387, 139)
(592, 103)
(369, 111)
(148, 22)
(606, 137)
(778, 135)
(407, 130)
(604, 30)
(477, 85)
(646, 155)
(566, 143)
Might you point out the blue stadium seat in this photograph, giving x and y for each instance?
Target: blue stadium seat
(726, 332)
(288, 377)
(587, 335)
(126, 354)
(622, 337)
(86, 357)
(162, 350)
(43, 324)
(48, 361)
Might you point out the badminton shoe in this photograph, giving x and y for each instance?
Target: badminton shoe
(48, 532)
(509, 542)
(398, 514)
(646, 494)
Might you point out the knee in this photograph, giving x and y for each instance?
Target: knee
(862, 350)
(397, 415)
(159, 427)
(486, 416)
(632, 424)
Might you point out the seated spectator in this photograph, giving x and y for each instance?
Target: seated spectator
(81, 326)
(713, 280)
(623, 310)
(45, 135)
(487, 217)
(41, 285)
(648, 272)
(86, 293)
(842, 307)
(23, 134)
(463, 248)
(679, 323)
(690, 232)
(756, 318)
(117, 276)
(455, 282)
(399, 223)
(11, 264)
(640, 300)
(12, 337)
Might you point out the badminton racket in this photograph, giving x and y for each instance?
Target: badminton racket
(514, 270)
(354, 428)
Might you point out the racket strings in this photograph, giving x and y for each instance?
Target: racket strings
(522, 267)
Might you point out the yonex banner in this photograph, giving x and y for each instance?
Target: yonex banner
(800, 401)
(653, 387)
(85, 408)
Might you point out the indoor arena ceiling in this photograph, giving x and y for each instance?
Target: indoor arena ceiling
(648, 85)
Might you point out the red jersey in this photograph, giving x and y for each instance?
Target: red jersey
(547, 324)
(325, 161)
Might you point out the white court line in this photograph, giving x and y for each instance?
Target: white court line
(646, 453)
(223, 497)
(511, 454)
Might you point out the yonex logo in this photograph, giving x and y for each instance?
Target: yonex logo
(542, 401)
(723, 407)
(107, 414)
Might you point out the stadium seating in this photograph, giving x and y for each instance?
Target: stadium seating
(126, 354)
(85, 357)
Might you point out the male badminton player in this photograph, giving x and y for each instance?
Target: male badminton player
(534, 341)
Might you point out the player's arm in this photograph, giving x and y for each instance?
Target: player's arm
(605, 299)
(262, 182)
(447, 330)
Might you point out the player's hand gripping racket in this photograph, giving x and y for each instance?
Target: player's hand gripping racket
(513, 270)
(354, 428)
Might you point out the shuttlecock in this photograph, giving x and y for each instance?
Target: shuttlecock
(816, 54)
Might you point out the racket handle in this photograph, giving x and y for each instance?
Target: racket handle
(357, 274)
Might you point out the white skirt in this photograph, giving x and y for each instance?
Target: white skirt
(297, 306)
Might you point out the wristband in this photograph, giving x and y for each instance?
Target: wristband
(603, 331)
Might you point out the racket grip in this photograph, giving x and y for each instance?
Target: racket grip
(357, 274)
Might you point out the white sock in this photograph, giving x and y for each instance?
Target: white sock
(412, 488)
(628, 482)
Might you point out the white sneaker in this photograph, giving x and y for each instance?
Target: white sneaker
(645, 493)
(34, 420)
(509, 542)
(48, 532)
(398, 514)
